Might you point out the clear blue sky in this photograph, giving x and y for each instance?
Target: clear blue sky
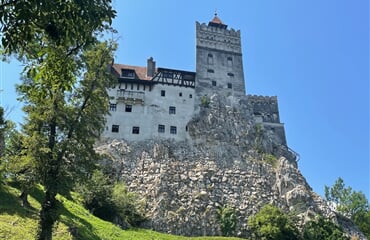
(313, 55)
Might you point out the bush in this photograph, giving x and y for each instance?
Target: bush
(226, 217)
(128, 206)
(322, 229)
(271, 223)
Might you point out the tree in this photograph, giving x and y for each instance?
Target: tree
(322, 229)
(226, 217)
(128, 206)
(351, 204)
(64, 87)
(270, 223)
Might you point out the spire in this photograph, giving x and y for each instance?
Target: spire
(216, 22)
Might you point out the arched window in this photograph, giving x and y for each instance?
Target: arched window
(210, 59)
(230, 61)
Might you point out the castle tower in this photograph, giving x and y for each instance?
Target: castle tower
(219, 65)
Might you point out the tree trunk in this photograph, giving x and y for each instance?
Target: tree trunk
(24, 198)
(48, 216)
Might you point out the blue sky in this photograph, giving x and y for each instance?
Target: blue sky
(313, 55)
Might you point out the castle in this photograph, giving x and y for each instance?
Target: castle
(151, 103)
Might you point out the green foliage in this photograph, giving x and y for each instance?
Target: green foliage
(270, 159)
(351, 204)
(128, 205)
(205, 101)
(96, 193)
(227, 219)
(26, 24)
(323, 229)
(271, 223)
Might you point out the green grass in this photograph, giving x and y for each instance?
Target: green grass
(17, 222)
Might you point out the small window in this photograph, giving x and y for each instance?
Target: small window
(163, 93)
(190, 95)
(138, 87)
(135, 130)
(112, 107)
(229, 85)
(172, 110)
(173, 130)
(115, 128)
(180, 94)
(210, 59)
(214, 83)
(230, 74)
(210, 70)
(161, 128)
(128, 108)
(230, 61)
(128, 73)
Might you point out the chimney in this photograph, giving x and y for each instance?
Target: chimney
(150, 69)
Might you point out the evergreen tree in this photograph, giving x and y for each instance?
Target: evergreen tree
(64, 87)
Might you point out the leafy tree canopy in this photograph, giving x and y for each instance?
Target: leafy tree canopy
(270, 223)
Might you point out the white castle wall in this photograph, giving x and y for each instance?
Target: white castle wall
(149, 110)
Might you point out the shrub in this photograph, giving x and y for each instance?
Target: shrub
(322, 229)
(226, 217)
(271, 223)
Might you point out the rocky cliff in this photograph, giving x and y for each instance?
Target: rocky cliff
(228, 160)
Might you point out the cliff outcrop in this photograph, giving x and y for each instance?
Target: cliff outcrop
(229, 159)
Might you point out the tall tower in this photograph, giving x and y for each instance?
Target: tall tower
(219, 64)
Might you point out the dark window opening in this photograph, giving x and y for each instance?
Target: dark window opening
(229, 85)
(190, 95)
(115, 128)
(180, 94)
(210, 70)
(161, 128)
(172, 110)
(112, 107)
(135, 130)
(128, 73)
(214, 83)
(163, 93)
(128, 108)
(138, 87)
(230, 74)
(173, 130)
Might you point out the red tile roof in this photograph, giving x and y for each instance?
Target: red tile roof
(139, 71)
(216, 19)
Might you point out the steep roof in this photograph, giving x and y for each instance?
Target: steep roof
(216, 22)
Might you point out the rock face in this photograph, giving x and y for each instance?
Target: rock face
(229, 159)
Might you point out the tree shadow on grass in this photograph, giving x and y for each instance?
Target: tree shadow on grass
(78, 227)
(11, 204)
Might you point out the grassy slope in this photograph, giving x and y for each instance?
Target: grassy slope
(17, 222)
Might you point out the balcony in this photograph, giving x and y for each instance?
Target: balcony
(130, 97)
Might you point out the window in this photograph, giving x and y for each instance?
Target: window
(112, 107)
(180, 94)
(163, 93)
(210, 70)
(190, 95)
(172, 110)
(230, 61)
(173, 130)
(128, 108)
(135, 130)
(128, 73)
(214, 83)
(161, 128)
(115, 128)
(210, 59)
(230, 74)
(229, 85)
